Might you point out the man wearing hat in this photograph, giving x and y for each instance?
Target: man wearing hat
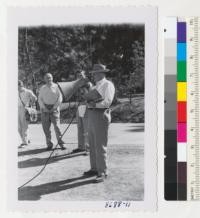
(98, 121)
(25, 99)
(50, 100)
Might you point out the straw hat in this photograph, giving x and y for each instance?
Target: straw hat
(99, 68)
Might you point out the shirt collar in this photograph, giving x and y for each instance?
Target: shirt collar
(51, 86)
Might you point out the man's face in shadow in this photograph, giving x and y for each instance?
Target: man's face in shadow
(98, 76)
(48, 78)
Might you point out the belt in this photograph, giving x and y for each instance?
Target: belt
(49, 106)
(97, 109)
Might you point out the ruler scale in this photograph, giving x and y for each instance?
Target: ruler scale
(193, 180)
(186, 146)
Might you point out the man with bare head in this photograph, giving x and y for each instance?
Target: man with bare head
(50, 100)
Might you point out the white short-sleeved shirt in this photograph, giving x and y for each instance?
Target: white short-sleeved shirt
(26, 96)
(107, 90)
(50, 96)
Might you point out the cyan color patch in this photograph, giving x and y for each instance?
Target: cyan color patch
(181, 51)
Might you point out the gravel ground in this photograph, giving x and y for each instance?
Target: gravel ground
(63, 177)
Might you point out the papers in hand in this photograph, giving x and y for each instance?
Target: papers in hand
(93, 95)
(81, 110)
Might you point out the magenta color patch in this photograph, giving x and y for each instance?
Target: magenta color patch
(182, 132)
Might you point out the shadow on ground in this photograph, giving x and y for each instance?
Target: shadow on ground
(34, 162)
(34, 193)
(36, 151)
(63, 180)
(32, 152)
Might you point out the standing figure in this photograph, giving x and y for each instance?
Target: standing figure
(50, 100)
(82, 122)
(26, 98)
(98, 122)
(82, 127)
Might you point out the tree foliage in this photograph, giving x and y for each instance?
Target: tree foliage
(66, 50)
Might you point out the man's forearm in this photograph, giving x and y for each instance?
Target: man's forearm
(42, 105)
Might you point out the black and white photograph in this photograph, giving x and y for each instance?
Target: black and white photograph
(87, 83)
(81, 119)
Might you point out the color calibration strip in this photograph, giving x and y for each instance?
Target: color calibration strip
(182, 108)
(170, 108)
(181, 112)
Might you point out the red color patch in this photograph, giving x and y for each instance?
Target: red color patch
(182, 112)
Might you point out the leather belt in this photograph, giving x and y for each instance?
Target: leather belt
(97, 109)
(49, 106)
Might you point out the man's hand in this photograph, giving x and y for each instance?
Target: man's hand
(53, 109)
(81, 75)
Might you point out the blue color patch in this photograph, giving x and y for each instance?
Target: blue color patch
(181, 51)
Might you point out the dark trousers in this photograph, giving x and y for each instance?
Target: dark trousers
(98, 138)
(48, 118)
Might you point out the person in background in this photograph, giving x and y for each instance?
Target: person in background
(98, 122)
(50, 100)
(82, 122)
(26, 98)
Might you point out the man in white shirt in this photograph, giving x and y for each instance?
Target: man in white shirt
(98, 123)
(25, 99)
(50, 99)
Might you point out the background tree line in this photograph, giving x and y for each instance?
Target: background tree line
(66, 50)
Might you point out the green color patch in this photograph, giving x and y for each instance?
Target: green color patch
(181, 71)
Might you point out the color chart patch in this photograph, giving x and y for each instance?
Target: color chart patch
(170, 134)
(181, 99)
(182, 141)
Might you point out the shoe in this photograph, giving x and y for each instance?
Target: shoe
(22, 145)
(78, 150)
(61, 143)
(49, 148)
(62, 147)
(90, 173)
(101, 178)
(86, 153)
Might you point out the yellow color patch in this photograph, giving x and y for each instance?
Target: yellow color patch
(181, 91)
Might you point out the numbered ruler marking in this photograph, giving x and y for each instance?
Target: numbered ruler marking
(193, 106)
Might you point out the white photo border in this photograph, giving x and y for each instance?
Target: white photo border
(38, 16)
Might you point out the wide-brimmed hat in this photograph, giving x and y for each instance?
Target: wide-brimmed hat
(99, 68)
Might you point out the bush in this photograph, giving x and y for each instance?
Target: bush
(125, 112)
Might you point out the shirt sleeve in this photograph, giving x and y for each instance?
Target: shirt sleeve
(59, 100)
(33, 98)
(40, 99)
(108, 96)
(90, 86)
